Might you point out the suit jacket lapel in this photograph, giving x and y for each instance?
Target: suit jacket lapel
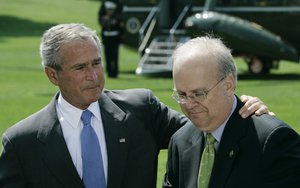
(191, 159)
(228, 149)
(116, 136)
(54, 149)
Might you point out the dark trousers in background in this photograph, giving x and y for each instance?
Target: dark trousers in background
(111, 51)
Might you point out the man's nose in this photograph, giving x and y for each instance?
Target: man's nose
(190, 102)
(91, 73)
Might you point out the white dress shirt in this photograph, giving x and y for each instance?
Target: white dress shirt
(71, 124)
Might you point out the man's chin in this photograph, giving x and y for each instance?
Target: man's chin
(199, 123)
(196, 115)
(94, 99)
(92, 94)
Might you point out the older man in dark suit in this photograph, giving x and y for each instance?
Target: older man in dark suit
(87, 136)
(219, 148)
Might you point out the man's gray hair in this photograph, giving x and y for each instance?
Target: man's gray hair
(214, 47)
(61, 34)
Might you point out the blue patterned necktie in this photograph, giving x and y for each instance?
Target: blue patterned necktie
(207, 162)
(92, 164)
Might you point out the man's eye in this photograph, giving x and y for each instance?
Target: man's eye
(96, 63)
(79, 68)
(200, 94)
(182, 96)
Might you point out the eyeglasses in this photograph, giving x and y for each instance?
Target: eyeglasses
(199, 96)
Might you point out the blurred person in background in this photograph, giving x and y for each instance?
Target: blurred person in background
(109, 18)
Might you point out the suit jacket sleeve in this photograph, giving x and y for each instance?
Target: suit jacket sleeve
(281, 160)
(165, 120)
(10, 167)
(158, 119)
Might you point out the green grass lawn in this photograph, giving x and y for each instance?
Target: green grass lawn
(25, 89)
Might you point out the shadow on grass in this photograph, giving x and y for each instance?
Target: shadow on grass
(244, 76)
(127, 72)
(158, 75)
(291, 76)
(12, 26)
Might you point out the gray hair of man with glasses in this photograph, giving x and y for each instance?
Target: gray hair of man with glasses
(214, 47)
(61, 34)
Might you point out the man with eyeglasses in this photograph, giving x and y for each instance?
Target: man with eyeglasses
(218, 148)
(88, 136)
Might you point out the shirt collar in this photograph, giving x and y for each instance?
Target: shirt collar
(72, 114)
(95, 109)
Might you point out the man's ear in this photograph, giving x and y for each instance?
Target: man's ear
(52, 75)
(230, 84)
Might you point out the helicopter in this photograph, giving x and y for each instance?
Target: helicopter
(262, 32)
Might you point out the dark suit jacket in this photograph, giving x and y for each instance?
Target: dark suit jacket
(35, 154)
(257, 152)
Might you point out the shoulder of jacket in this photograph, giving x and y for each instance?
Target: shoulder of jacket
(267, 125)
